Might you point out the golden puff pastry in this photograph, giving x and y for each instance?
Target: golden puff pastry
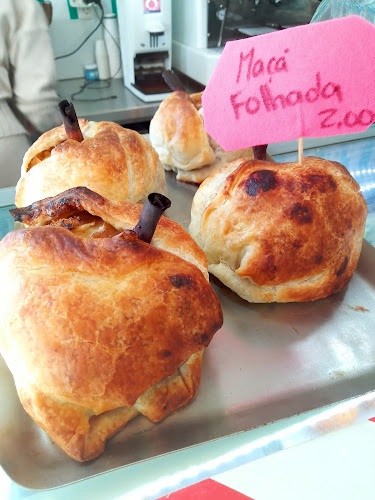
(280, 232)
(98, 326)
(115, 162)
(178, 135)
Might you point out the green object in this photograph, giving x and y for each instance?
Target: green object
(114, 7)
(6, 221)
(73, 12)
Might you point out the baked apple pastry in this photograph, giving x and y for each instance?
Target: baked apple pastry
(178, 135)
(117, 163)
(280, 232)
(97, 325)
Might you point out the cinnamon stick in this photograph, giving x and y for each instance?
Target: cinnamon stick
(173, 81)
(70, 121)
(260, 152)
(152, 210)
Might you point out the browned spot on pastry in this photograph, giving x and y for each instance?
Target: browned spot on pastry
(319, 182)
(300, 213)
(264, 180)
(297, 244)
(179, 280)
(165, 354)
(269, 263)
(332, 183)
(318, 259)
(342, 267)
(229, 183)
(72, 199)
(289, 185)
(67, 225)
(201, 339)
(60, 206)
(204, 338)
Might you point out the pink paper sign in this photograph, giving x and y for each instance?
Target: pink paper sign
(309, 81)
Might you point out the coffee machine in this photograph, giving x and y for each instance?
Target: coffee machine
(146, 46)
(202, 27)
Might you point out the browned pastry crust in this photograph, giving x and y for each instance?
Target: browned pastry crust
(121, 216)
(82, 434)
(281, 232)
(98, 329)
(115, 162)
(178, 135)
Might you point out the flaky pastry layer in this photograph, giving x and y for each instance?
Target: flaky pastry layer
(88, 324)
(82, 433)
(280, 232)
(178, 135)
(116, 162)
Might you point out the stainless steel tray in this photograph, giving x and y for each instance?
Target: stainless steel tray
(267, 363)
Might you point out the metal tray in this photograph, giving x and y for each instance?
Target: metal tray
(267, 363)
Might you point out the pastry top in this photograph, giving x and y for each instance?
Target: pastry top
(177, 132)
(121, 216)
(96, 321)
(115, 162)
(291, 232)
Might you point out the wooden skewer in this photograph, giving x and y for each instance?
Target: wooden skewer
(300, 150)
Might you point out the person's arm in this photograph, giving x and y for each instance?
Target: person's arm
(33, 67)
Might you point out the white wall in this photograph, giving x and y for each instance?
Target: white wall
(68, 33)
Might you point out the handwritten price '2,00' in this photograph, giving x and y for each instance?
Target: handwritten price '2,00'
(329, 119)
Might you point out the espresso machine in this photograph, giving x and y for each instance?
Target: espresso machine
(202, 27)
(146, 46)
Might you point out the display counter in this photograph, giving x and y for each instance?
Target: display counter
(150, 479)
(100, 102)
(111, 101)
